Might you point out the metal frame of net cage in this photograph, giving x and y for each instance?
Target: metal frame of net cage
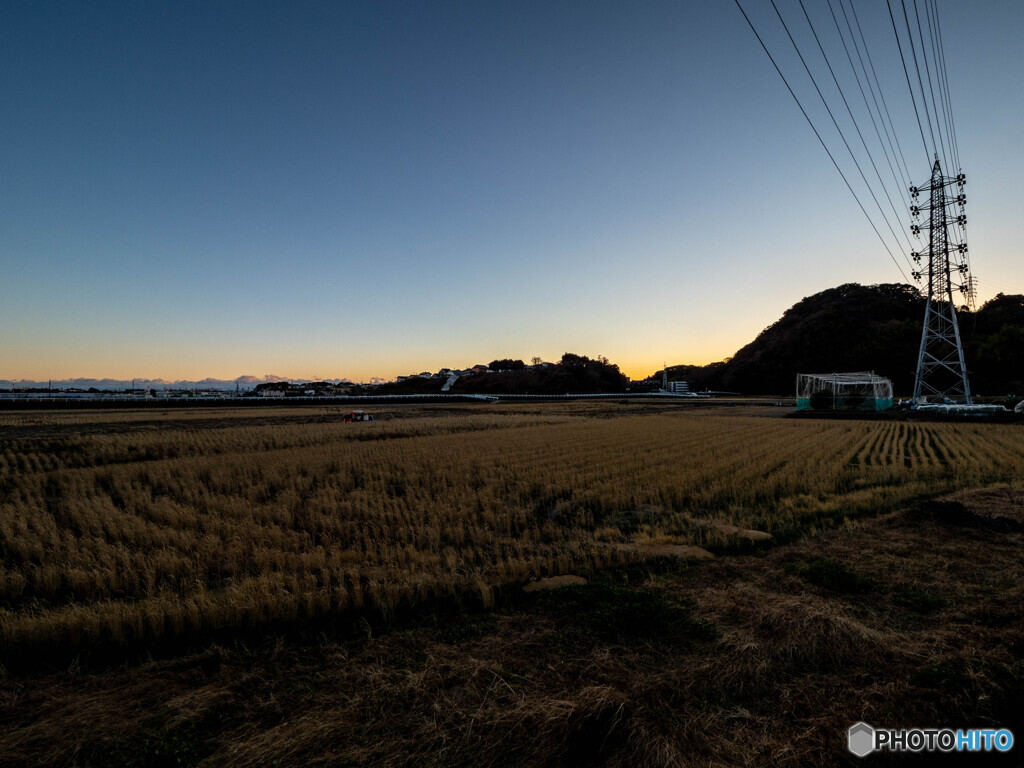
(859, 391)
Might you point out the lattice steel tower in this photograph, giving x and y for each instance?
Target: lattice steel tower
(941, 372)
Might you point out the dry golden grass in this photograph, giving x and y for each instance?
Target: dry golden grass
(911, 619)
(118, 531)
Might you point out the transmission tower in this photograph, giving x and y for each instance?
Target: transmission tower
(941, 372)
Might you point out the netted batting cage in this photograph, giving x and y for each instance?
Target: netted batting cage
(861, 391)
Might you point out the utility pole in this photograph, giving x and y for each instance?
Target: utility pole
(941, 371)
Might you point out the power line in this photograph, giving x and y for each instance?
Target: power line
(945, 75)
(905, 72)
(917, 67)
(1000, 288)
(822, 141)
(949, 97)
(835, 122)
(931, 88)
(939, 76)
(905, 171)
(900, 184)
(854, 120)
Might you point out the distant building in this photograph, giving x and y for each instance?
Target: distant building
(679, 387)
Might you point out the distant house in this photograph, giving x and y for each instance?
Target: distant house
(480, 369)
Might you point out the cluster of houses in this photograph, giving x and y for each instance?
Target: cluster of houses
(308, 389)
(94, 393)
(277, 389)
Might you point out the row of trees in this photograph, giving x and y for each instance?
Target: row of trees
(573, 374)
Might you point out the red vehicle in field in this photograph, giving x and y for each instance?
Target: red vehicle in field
(357, 416)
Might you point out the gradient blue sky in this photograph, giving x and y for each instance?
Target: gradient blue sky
(360, 189)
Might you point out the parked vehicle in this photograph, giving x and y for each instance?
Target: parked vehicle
(357, 416)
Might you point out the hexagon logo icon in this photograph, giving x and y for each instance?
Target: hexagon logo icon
(861, 739)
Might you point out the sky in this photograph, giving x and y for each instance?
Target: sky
(368, 189)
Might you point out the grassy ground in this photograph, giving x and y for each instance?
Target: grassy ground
(909, 619)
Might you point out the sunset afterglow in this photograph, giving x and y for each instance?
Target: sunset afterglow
(369, 190)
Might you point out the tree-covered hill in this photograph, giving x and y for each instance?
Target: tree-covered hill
(868, 328)
(573, 374)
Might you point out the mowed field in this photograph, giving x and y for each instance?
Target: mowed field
(126, 530)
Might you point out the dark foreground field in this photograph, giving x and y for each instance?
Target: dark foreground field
(910, 619)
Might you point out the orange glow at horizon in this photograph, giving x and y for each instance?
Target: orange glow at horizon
(635, 372)
(639, 350)
(98, 369)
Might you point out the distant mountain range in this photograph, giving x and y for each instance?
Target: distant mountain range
(867, 328)
(244, 382)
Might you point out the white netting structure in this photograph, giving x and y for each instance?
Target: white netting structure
(860, 391)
